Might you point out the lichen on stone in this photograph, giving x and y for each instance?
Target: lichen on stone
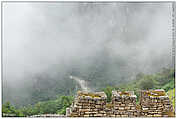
(155, 93)
(109, 105)
(124, 93)
(169, 113)
(92, 95)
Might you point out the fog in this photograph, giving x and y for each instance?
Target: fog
(57, 38)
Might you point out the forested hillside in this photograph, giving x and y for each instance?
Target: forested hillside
(165, 79)
(99, 43)
(107, 45)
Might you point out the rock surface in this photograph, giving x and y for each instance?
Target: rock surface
(153, 103)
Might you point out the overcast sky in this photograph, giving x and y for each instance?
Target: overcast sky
(37, 36)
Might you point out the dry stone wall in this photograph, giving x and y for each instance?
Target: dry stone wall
(153, 103)
(89, 105)
(124, 104)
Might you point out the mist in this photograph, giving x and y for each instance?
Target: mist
(62, 39)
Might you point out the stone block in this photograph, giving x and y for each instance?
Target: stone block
(121, 108)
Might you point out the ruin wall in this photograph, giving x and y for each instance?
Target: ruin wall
(153, 103)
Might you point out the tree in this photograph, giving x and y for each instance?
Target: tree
(10, 110)
(147, 83)
(66, 101)
(139, 76)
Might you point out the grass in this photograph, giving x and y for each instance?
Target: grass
(171, 94)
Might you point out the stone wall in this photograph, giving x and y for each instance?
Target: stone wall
(153, 103)
(89, 105)
(124, 104)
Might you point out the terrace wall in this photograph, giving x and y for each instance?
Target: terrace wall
(153, 103)
(157, 105)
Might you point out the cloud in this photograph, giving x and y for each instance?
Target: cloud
(57, 37)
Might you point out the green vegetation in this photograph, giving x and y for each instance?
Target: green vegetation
(170, 85)
(164, 79)
(108, 92)
(9, 109)
(57, 106)
(161, 80)
(171, 94)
